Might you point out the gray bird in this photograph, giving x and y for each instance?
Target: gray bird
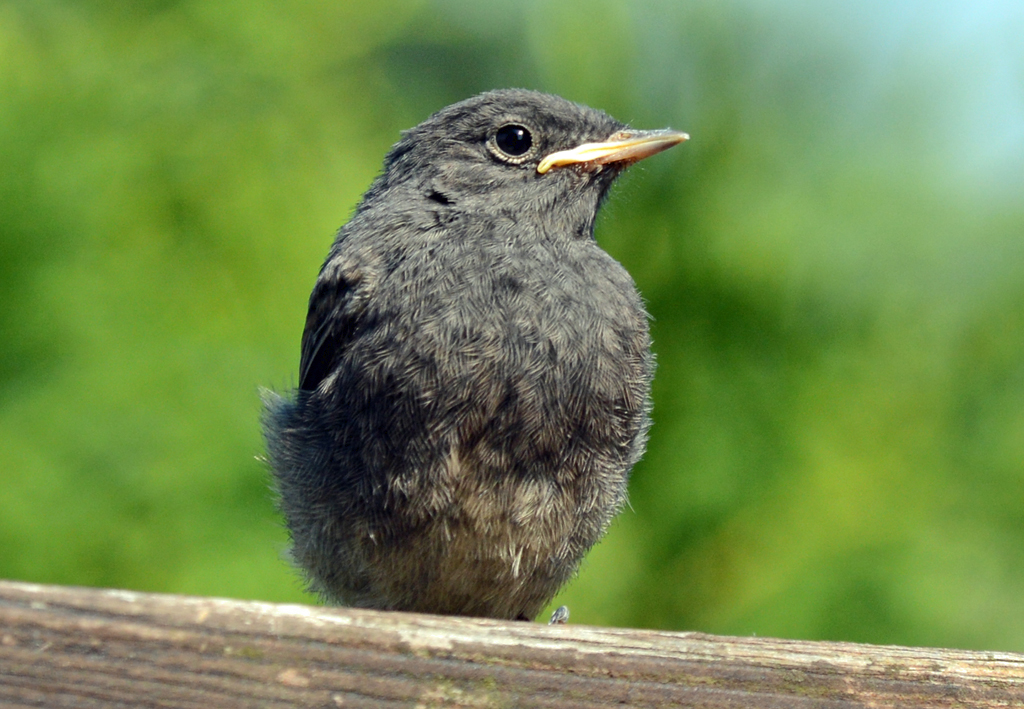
(475, 374)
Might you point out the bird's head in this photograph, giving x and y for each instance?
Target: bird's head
(512, 152)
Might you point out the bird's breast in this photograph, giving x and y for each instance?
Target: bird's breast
(524, 356)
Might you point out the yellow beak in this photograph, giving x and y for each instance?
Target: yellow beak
(626, 146)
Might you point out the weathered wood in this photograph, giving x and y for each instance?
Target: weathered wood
(76, 647)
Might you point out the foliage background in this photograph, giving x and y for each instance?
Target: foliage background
(834, 263)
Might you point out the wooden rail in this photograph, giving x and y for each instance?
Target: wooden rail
(77, 647)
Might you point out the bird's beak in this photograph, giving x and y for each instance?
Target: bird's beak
(626, 146)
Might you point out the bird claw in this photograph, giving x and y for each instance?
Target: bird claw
(560, 616)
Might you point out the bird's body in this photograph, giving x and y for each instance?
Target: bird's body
(475, 375)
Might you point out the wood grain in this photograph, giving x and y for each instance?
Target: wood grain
(77, 647)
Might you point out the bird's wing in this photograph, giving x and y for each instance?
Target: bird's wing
(338, 298)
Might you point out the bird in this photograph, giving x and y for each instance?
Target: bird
(475, 372)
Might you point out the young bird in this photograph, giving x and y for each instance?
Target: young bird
(475, 373)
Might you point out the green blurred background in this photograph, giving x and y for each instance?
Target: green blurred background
(834, 264)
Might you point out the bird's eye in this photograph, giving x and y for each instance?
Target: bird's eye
(513, 140)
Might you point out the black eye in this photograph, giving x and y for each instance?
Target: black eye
(513, 140)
